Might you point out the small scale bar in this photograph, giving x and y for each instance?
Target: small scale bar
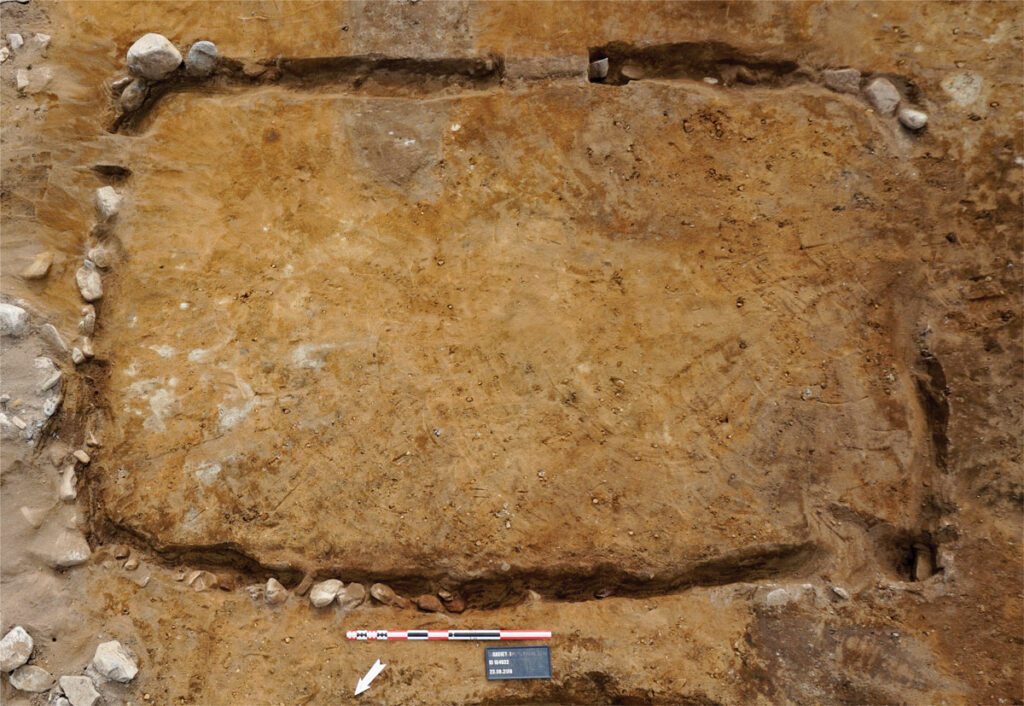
(448, 634)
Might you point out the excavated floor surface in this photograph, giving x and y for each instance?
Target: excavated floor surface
(614, 359)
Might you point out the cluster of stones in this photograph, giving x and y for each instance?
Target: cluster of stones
(28, 79)
(880, 92)
(347, 598)
(154, 58)
(112, 661)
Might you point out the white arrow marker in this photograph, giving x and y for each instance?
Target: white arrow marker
(364, 683)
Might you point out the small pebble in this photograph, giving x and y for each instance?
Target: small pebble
(39, 267)
(204, 581)
(913, 119)
(16, 41)
(68, 489)
(134, 95)
(841, 593)
(383, 594)
(108, 202)
(15, 649)
(18, 422)
(131, 564)
(115, 661)
(31, 678)
(77, 356)
(121, 84)
(87, 350)
(90, 284)
(842, 80)
(41, 41)
(87, 326)
(321, 594)
(5, 54)
(99, 257)
(21, 80)
(883, 96)
(13, 320)
(304, 585)
(80, 691)
(275, 592)
(429, 603)
(81, 455)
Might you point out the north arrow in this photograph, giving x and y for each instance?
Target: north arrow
(364, 683)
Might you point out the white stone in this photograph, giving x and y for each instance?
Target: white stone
(41, 41)
(913, 119)
(81, 456)
(5, 54)
(31, 678)
(115, 661)
(90, 284)
(883, 96)
(203, 581)
(66, 549)
(15, 649)
(21, 79)
(77, 356)
(841, 593)
(68, 490)
(202, 59)
(13, 320)
(778, 597)
(16, 41)
(153, 57)
(275, 592)
(323, 593)
(108, 202)
(80, 691)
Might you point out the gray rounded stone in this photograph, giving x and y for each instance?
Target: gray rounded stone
(201, 59)
(31, 678)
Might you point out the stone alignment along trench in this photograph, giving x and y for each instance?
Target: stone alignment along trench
(444, 307)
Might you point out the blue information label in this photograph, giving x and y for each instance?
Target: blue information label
(531, 662)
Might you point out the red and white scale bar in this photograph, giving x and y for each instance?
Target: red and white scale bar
(448, 634)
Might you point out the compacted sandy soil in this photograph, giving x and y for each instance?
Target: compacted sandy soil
(707, 367)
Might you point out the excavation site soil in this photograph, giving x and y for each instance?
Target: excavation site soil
(652, 325)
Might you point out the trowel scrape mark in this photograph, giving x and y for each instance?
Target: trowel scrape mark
(311, 355)
(159, 401)
(207, 472)
(164, 351)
